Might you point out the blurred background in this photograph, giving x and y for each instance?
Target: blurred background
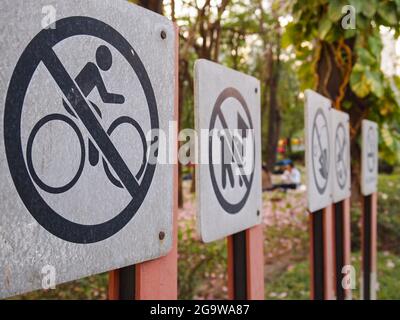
(346, 50)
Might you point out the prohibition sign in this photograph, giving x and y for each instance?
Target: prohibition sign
(320, 151)
(40, 50)
(217, 113)
(340, 155)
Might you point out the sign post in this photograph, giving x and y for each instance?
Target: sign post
(82, 102)
(228, 180)
(319, 193)
(341, 197)
(369, 185)
(156, 279)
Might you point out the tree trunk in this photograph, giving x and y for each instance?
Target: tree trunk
(330, 79)
(289, 144)
(274, 114)
(157, 6)
(153, 5)
(274, 127)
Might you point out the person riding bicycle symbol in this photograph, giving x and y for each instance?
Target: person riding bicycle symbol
(87, 80)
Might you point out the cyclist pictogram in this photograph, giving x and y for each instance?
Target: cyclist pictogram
(81, 114)
(87, 80)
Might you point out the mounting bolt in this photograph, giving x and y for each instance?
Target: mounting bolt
(256, 90)
(163, 35)
(161, 235)
(258, 213)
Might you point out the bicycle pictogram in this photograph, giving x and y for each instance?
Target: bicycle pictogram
(80, 114)
(87, 80)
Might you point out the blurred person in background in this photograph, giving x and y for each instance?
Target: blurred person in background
(291, 179)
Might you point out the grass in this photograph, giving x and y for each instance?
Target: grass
(294, 283)
(202, 268)
(389, 213)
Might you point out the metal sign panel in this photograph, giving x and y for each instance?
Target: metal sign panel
(318, 150)
(369, 157)
(227, 107)
(78, 194)
(341, 173)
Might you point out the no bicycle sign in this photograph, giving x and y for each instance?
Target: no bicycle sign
(78, 192)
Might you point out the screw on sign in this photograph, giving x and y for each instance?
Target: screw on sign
(85, 118)
(320, 151)
(341, 160)
(232, 152)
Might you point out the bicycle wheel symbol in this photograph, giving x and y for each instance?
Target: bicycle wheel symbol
(42, 122)
(60, 117)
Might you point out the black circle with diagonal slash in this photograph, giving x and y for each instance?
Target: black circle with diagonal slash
(321, 187)
(19, 83)
(340, 151)
(229, 207)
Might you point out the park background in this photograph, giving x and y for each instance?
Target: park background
(289, 46)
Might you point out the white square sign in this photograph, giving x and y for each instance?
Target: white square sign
(78, 194)
(227, 109)
(341, 173)
(369, 157)
(318, 150)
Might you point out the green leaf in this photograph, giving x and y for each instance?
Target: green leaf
(359, 84)
(358, 4)
(350, 33)
(387, 12)
(362, 22)
(324, 26)
(375, 80)
(375, 45)
(346, 105)
(289, 36)
(335, 10)
(365, 57)
(369, 8)
(358, 68)
(387, 136)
